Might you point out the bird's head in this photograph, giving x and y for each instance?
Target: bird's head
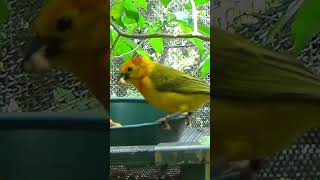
(65, 30)
(134, 69)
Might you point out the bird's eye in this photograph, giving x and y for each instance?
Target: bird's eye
(64, 23)
(129, 68)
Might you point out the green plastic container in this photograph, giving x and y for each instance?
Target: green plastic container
(140, 125)
(51, 146)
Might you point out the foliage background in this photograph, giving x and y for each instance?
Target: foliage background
(147, 17)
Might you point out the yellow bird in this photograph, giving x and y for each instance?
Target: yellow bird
(165, 88)
(263, 100)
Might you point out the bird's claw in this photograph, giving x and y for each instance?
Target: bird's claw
(165, 122)
(114, 124)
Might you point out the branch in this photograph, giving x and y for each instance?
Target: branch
(194, 17)
(158, 35)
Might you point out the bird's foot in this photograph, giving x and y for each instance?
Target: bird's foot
(165, 120)
(188, 116)
(114, 124)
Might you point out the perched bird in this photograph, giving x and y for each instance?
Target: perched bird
(72, 34)
(263, 100)
(165, 88)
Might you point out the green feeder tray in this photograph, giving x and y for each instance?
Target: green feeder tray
(51, 146)
(140, 125)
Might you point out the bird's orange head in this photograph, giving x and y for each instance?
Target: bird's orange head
(136, 68)
(65, 31)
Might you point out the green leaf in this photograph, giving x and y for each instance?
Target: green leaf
(140, 51)
(113, 36)
(116, 11)
(199, 45)
(143, 53)
(131, 28)
(188, 6)
(156, 43)
(141, 3)
(121, 48)
(184, 26)
(203, 29)
(306, 23)
(131, 10)
(141, 22)
(132, 14)
(128, 21)
(205, 68)
(165, 2)
(201, 2)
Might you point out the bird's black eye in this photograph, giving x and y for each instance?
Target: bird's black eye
(129, 69)
(64, 23)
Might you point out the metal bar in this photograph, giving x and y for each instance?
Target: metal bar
(50, 120)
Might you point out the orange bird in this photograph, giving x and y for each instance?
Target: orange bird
(72, 35)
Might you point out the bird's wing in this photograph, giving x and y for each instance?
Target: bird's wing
(244, 70)
(170, 80)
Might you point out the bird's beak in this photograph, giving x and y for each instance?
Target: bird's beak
(35, 60)
(123, 78)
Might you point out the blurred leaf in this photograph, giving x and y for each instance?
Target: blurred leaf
(205, 140)
(132, 14)
(186, 28)
(121, 48)
(156, 43)
(165, 2)
(205, 68)
(306, 23)
(141, 3)
(198, 3)
(201, 2)
(199, 45)
(131, 10)
(181, 15)
(143, 53)
(116, 11)
(113, 36)
(128, 21)
(188, 6)
(141, 22)
(203, 29)
(131, 28)
(140, 51)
